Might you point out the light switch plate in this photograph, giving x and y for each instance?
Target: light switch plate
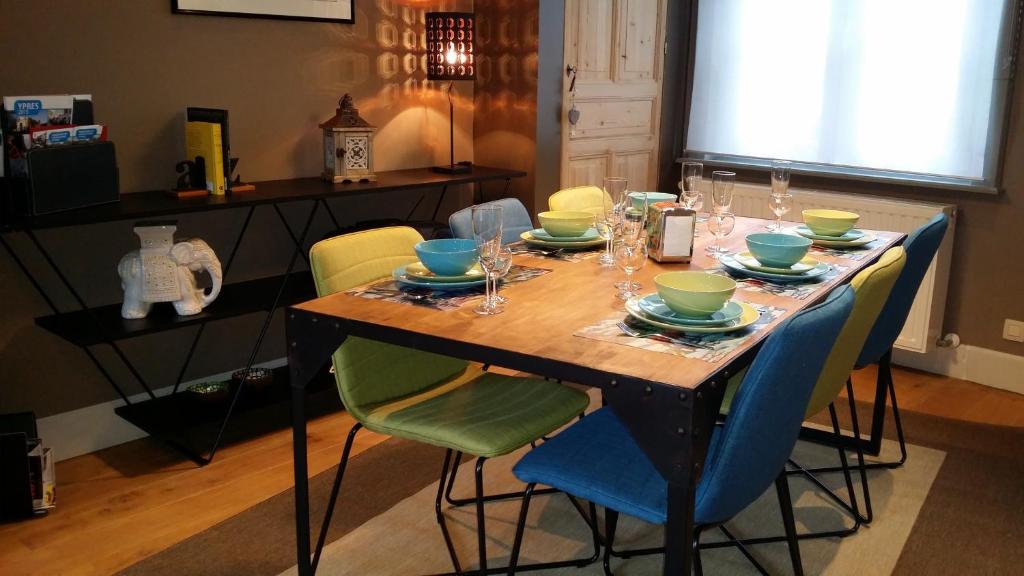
(1013, 330)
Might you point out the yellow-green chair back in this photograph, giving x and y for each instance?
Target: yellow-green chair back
(871, 290)
(370, 373)
(581, 198)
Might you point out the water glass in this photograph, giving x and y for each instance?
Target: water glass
(487, 223)
(780, 204)
(614, 198)
(722, 184)
(501, 267)
(720, 224)
(630, 258)
(781, 170)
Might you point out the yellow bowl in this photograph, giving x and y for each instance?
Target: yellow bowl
(566, 223)
(830, 222)
(696, 294)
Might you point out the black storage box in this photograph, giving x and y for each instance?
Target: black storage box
(68, 177)
(15, 490)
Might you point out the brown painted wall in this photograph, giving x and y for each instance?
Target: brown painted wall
(278, 78)
(505, 99)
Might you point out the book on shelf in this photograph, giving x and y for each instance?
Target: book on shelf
(203, 141)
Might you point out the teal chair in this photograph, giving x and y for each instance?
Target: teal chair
(597, 458)
(427, 397)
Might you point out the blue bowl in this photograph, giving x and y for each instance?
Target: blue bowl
(778, 250)
(447, 256)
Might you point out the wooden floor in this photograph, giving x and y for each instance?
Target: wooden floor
(117, 506)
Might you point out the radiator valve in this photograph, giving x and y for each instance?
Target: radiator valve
(951, 340)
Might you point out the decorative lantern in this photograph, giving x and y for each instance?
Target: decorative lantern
(348, 145)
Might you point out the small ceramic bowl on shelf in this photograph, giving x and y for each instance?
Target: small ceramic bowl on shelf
(209, 392)
(254, 378)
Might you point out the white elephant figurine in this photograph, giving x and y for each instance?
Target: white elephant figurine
(163, 271)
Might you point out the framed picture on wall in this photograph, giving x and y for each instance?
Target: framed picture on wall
(317, 10)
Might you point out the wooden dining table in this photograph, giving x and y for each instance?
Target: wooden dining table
(668, 402)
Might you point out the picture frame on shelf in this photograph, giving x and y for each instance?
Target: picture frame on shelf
(340, 11)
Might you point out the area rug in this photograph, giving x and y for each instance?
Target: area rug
(953, 509)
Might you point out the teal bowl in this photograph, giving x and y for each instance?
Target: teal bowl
(652, 197)
(778, 250)
(447, 256)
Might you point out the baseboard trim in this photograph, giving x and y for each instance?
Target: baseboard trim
(96, 427)
(982, 365)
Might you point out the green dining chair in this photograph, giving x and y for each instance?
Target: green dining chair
(871, 290)
(426, 397)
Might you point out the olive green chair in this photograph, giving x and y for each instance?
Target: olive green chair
(581, 198)
(871, 291)
(427, 397)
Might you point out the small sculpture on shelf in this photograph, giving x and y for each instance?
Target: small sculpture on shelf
(348, 145)
(163, 271)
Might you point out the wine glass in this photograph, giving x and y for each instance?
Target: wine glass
(611, 210)
(780, 205)
(720, 224)
(501, 267)
(630, 258)
(634, 222)
(781, 170)
(487, 235)
(722, 184)
(692, 198)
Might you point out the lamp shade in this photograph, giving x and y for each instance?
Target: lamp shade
(450, 38)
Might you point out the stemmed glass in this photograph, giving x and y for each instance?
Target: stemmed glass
(781, 170)
(611, 212)
(634, 222)
(692, 198)
(501, 267)
(630, 258)
(487, 235)
(720, 224)
(722, 184)
(780, 205)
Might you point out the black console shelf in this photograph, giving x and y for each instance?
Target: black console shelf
(87, 328)
(179, 419)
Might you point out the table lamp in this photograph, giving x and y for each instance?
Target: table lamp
(450, 56)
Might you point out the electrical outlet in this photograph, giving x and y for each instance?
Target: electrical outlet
(1013, 330)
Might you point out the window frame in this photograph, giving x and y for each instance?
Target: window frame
(1008, 52)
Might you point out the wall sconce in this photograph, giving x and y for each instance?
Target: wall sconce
(451, 56)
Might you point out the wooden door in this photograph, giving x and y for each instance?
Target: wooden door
(617, 49)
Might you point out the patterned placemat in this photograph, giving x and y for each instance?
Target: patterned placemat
(392, 291)
(555, 253)
(708, 347)
(797, 291)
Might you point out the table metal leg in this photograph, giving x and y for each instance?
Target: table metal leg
(312, 339)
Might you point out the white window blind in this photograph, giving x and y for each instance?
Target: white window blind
(910, 86)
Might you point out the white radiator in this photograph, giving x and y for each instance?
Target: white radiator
(924, 325)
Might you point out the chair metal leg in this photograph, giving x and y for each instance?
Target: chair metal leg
(458, 502)
(335, 489)
(440, 514)
(481, 537)
(698, 568)
(786, 504)
(611, 520)
(869, 514)
(513, 560)
(741, 546)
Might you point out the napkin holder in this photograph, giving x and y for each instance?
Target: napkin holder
(670, 229)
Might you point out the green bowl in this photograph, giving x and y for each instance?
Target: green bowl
(566, 223)
(777, 250)
(694, 294)
(830, 222)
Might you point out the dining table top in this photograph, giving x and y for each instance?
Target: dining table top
(543, 314)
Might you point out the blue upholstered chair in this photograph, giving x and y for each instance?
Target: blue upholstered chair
(597, 458)
(515, 220)
(921, 247)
